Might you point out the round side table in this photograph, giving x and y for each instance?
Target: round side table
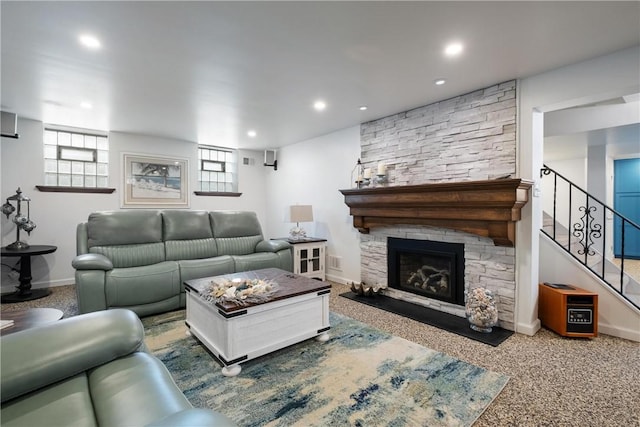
(28, 318)
(24, 292)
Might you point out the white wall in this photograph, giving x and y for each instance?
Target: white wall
(57, 214)
(311, 172)
(594, 80)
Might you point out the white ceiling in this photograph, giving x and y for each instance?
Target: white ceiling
(209, 71)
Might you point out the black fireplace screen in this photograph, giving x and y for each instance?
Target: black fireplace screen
(427, 268)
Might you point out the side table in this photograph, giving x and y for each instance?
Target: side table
(308, 256)
(28, 318)
(24, 291)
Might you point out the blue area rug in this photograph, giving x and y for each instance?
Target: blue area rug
(360, 377)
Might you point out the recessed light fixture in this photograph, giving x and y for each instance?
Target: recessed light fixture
(89, 41)
(86, 105)
(319, 105)
(252, 133)
(363, 107)
(453, 49)
(439, 82)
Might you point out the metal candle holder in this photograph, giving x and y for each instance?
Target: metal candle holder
(22, 222)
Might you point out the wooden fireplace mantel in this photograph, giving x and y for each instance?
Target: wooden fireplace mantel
(486, 208)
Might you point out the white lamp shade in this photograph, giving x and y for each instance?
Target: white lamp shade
(301, 213)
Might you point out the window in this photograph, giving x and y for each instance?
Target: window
(217, 170)
(75, 158)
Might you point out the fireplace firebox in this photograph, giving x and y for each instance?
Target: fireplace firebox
(427, 268)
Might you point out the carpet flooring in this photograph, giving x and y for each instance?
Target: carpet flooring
(554, 381)
(360, 377)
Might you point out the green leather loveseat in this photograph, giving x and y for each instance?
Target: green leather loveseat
(91, 370)
(139, 259)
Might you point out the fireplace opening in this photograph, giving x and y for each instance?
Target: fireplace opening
(424, 267)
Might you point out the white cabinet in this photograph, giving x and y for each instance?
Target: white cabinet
(309, 256)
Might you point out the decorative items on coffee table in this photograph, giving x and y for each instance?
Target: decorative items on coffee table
(240, 291)
(365, 290)
(21, 221)
(481, 310)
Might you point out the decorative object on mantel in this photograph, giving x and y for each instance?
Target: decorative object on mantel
(240, 291)
(22, 222)
(357, 175)
(381, 174)
(367, 291)
(298, 214)
(481, 310)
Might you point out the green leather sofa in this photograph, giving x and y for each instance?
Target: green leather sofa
(139, 259)
(91, 370)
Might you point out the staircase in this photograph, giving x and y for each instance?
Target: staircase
(584, 227)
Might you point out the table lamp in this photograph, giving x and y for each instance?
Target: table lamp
(298, 214)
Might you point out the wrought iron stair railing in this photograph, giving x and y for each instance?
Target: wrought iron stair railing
(584, 227)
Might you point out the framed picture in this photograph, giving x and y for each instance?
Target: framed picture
(155, 182)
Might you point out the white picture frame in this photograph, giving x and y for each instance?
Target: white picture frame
(151, 181)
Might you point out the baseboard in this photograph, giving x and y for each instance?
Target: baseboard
(528, 328)
(339, 279)
(616, 331)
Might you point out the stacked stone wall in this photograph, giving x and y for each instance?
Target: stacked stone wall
(467, 138)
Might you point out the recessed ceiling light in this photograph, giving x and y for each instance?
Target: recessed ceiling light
(319, 105)
(252, 133)
(90, 41)
(86, 105)
(363, 107)
(453, 49)
(439, 82)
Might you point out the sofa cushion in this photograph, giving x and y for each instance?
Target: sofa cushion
(66, 403)
(134, 391)
(132, 255)
(190, 249)
(124, 227)
(139, 285)
(235, 224)
(238, 245)
(186, 225)
(256, 261)
(197, 268)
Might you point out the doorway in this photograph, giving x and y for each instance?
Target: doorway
(626, 201)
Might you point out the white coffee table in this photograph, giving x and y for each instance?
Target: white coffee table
(299, 310)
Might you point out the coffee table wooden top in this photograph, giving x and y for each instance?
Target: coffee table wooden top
(28, 318)
(289, 285)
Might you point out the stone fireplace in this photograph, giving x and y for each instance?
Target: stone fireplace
(450, 168)
(428, 268)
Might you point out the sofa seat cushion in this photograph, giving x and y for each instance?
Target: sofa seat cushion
(124, 256)
(198, 268)
(256, 261)
(142, 285)
(66, 403)
(134, 391)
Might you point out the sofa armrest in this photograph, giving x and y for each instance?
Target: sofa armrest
(92, 262)
(272, 246)
(43, 355)
(194, 418)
